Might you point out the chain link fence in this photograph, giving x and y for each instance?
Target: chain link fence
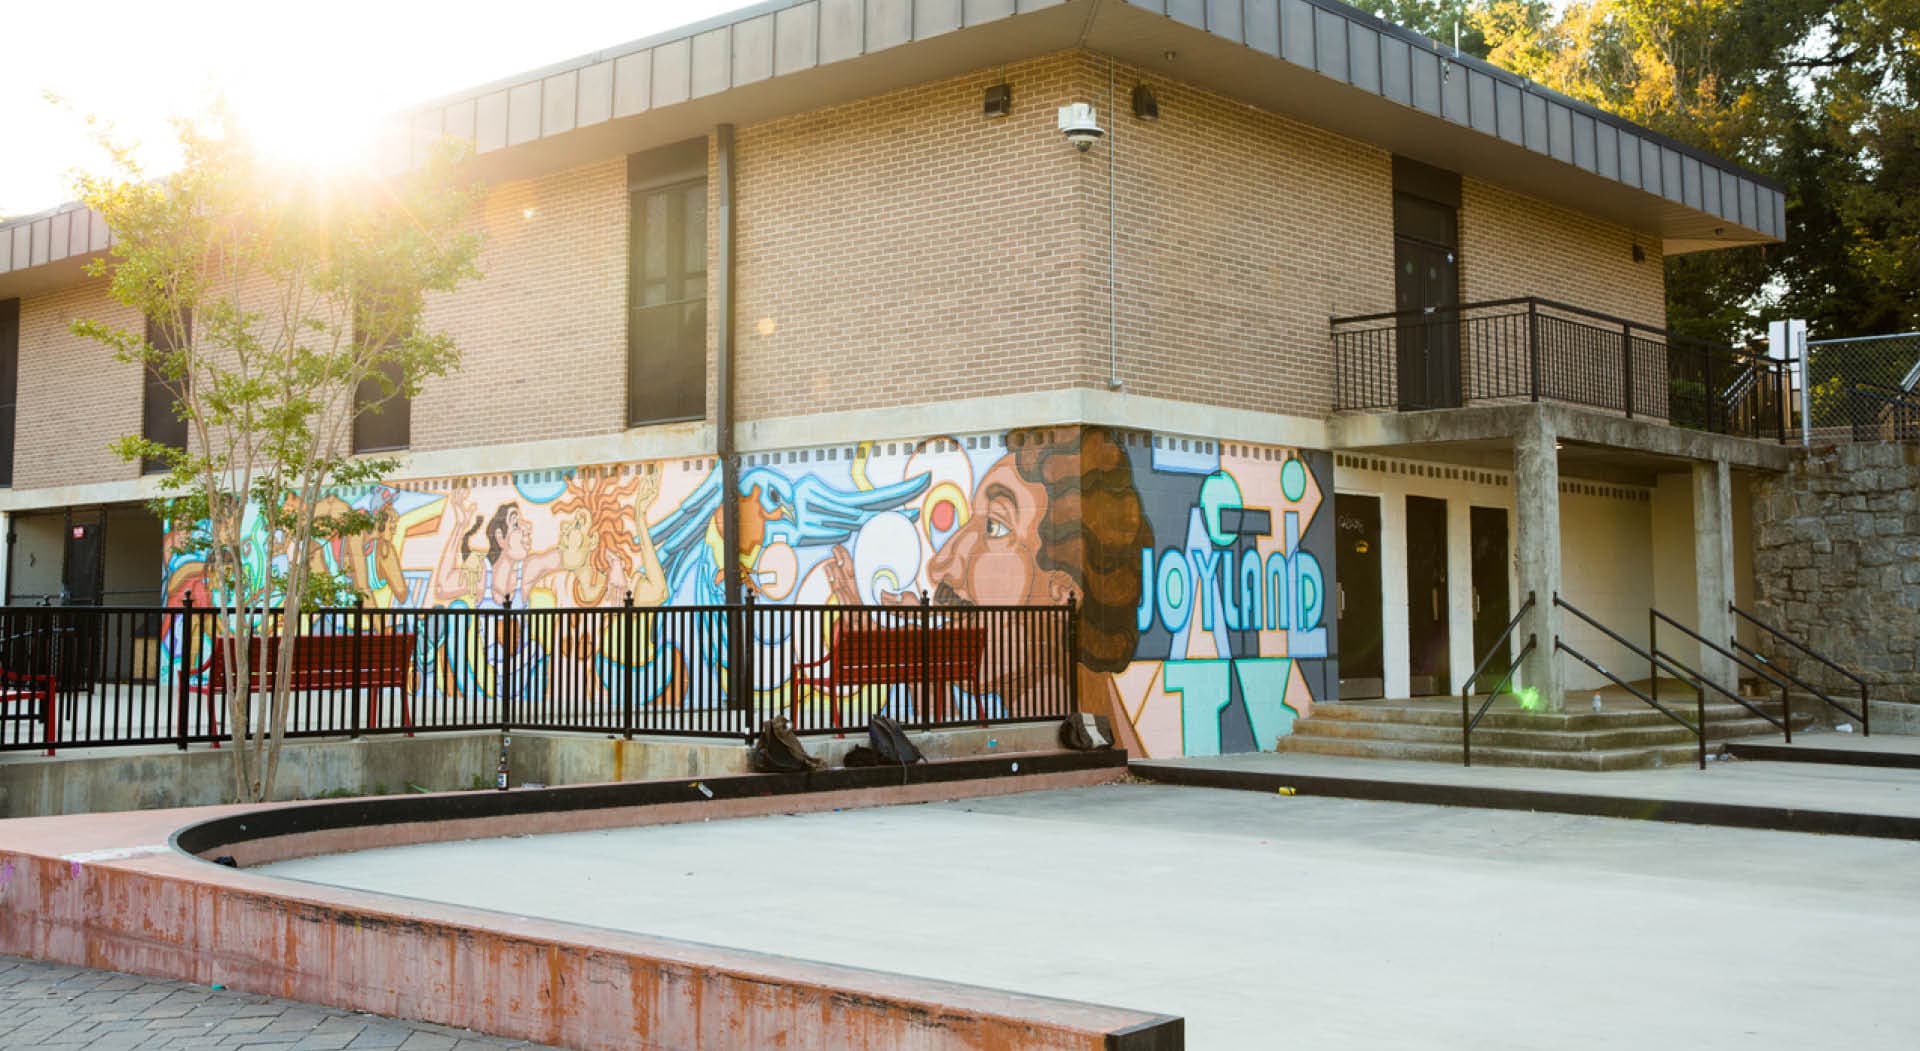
(1864, 389)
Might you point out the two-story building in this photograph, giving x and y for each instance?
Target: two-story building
(1331, 349)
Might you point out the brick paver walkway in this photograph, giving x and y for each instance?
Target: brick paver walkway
(50, 1005)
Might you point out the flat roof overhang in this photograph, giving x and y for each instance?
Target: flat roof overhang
(1317, 61)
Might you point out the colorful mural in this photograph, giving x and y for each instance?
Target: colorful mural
(1202, 568)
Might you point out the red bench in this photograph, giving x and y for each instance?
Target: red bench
(19, 688)
(865, 655)
(320, 662)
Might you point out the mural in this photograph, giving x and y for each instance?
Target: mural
(1202, 568)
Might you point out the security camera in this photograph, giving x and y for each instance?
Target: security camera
(1078, 124)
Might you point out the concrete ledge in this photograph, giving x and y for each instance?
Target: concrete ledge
(106, 890)
(1794, 753)
(1691, 812)
(1384, 430)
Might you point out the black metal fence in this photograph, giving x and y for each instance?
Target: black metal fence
(83, 676)
(1533, 349)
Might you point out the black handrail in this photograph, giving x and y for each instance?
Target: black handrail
(1785, 724)
(1698, 726)
(1866, 709)
(1499, 645)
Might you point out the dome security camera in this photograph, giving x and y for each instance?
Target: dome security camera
(1079, 124)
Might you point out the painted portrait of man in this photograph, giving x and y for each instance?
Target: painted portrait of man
(1057, 516)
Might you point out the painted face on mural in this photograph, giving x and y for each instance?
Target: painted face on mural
(1057, 516)
(994, 560)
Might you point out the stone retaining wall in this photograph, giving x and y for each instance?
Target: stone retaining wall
(1837, 563)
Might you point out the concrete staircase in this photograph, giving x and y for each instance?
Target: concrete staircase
(1625, 734)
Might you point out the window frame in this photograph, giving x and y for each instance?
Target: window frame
(671, 170)
(151, 382)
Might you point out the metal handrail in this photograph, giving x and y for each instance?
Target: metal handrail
(1698, 726)
(1506, 636)
(1785, 723)
(1866, 709)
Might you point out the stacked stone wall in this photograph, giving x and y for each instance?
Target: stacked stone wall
(1837, 563)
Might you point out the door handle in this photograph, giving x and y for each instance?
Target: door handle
(1476, 602)
(1341, 591)
(1436, 605)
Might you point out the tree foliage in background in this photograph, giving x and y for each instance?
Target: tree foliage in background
(276, 294)
(1818, 95)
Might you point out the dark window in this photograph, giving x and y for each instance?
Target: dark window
(9, 383)
(383, 414)
(667, 293)
(160, 422)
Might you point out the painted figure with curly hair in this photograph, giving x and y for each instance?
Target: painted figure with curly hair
(1058, 516)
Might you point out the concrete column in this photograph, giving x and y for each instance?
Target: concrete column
(1713, 564)
(1536, 556)
(1460, 655)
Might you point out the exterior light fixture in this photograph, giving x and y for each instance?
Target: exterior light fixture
(1081, 126)
(1639, 254)
(999, 101)
(1145, 106)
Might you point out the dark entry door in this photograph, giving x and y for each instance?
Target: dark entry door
(1357, 568)
(1427, 294)
(86, 532)
(1490, 606)
(1427, 667)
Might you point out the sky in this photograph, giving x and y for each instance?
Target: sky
(310, 80)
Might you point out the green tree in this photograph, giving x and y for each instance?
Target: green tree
(277, 293)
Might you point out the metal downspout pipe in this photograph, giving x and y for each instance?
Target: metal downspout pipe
(739, 684)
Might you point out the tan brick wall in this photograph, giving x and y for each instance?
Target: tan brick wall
(74, 398)
(1240, 234)
(543, 334)
(1512, 245)
(906, 248)
(1515, 245)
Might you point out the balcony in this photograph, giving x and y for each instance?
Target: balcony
(1532, 349)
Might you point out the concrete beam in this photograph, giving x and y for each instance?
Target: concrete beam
(1384, 431)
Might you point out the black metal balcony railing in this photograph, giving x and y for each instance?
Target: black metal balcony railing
(1533, 349)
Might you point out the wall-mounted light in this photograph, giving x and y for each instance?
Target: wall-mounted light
(1639, 254)
(1145, 106)
(999, 101)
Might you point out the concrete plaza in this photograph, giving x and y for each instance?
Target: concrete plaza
(1265, 920)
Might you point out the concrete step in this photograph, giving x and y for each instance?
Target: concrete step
(1502, 715)
(1593, 761)
(1667, 735)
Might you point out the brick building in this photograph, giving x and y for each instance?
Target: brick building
(1329, 351)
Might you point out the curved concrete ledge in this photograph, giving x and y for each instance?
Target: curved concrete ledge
(127, 891)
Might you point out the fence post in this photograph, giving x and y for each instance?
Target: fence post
(1533, 348)
(503, 673)
(926, 659)
(185, 672)
(1626, 360)
(1713, 390)
(1073, 654)
(359, 677)
(632, 663)
(745, 678)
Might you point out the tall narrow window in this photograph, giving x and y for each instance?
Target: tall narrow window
(160, 420)
(9, 383)
(667, 293)
(383, 414)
